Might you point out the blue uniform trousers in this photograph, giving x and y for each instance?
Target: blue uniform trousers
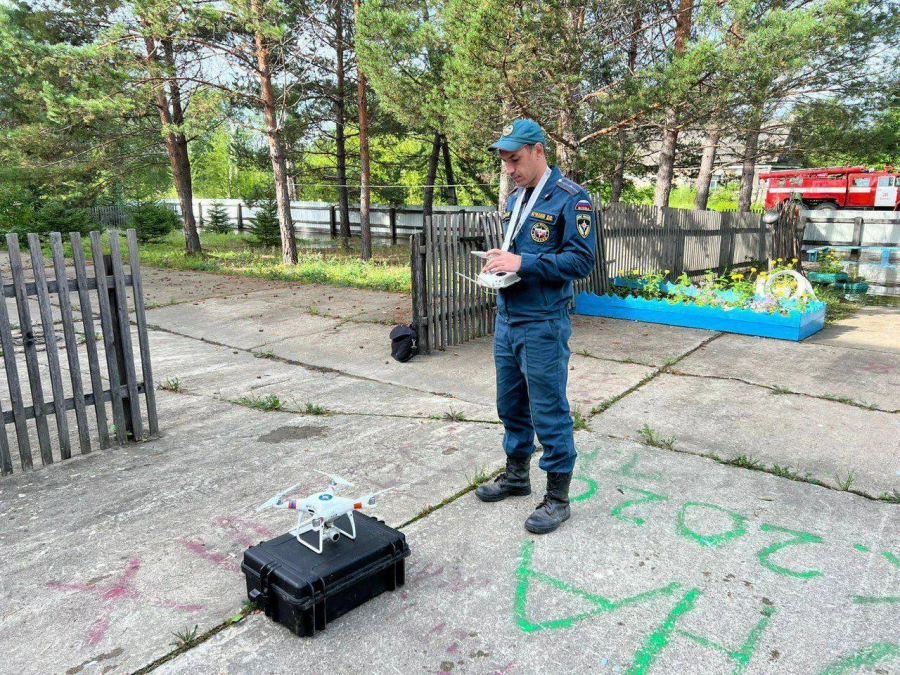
(532, 362)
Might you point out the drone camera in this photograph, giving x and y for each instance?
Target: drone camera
(332, 535)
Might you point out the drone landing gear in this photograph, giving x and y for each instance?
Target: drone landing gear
(332, 532)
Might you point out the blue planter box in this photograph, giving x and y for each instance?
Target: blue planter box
(795, 326)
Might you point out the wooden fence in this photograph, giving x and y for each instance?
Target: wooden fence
(24, 341)
(450, 308)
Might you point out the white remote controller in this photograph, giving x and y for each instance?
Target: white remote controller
(495, 280)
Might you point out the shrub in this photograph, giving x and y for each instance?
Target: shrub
(217, 219)
(152, 220)
(265, 226)
(54, 216)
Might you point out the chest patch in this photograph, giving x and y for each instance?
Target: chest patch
(540, 232)
(546, 217)
(583, 221)
(505, 216)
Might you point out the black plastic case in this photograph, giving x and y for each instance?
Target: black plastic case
(305, 591)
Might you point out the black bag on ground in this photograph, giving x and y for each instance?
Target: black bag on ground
(306, 591)
(404, 342)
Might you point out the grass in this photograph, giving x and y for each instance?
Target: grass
(845, 482)
(317, 264)
(268, 404)
(316, 409)
(453, 416)
(849, 401)
(480, 476)
(171, 384)
(268, 354)
(778, 391)
(653, 439)
(836, 307)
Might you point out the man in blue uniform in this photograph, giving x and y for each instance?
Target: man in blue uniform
(550, 242)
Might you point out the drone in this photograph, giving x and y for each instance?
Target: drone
(319, 512)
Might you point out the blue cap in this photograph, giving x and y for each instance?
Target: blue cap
(519, 133)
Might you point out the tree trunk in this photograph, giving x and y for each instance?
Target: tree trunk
(340, 117)
(428, 202)
(704, 178)
(748, 170)
(618, 179)
(670, 131)
(276, 146)
(448, 172)
(666, 159)
(363, 156)
(176, 145)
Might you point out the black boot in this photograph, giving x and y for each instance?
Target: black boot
(551, 512)
(513, 482)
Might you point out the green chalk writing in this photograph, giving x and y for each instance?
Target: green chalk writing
(738, 528)
(798, 538)
(587, 494)
(860, 547)
(660, 638)
(867, 656)
(892, 558)
(627, 470)
(648, 497)
(872, 600)
(526, 573)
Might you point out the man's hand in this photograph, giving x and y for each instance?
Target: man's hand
(502, 261)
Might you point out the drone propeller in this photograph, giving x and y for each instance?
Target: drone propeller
(369, 500)
(335, 480)
(277, 498)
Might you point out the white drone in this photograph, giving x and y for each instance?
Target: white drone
(318, 512)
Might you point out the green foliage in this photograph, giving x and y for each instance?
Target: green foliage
(652, 438)
(267, 404)
(152, 220)
(265, 226)
(23, 217)
(217, 219)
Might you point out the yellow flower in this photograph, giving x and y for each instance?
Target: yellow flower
(621, 272)
(779, 259)
(634, 271)
(752, 269)
(666, 272)
(793, 260)
(737, 276)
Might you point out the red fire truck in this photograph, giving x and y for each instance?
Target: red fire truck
(843, 187)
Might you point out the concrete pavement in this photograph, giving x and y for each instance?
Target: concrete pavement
(672, 562)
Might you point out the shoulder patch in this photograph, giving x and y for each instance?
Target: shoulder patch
(568, 186)
(583, 205)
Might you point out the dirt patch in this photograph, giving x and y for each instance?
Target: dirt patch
(284, 434)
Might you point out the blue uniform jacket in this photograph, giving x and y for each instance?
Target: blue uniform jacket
(557, 244)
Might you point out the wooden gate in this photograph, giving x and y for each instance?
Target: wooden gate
(24, 341)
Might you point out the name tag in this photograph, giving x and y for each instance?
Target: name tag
(543, 217)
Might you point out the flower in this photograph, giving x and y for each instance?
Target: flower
(634, 271)
(779, 259)
(737, 276)
(621, 272)
(666, 272)
(752, 269)
(793, 260)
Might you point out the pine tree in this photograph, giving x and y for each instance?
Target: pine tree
(217, 219)
(265, 226)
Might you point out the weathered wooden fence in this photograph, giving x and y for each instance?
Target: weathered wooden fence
(450, 308)
(111, 217)
(25, 341)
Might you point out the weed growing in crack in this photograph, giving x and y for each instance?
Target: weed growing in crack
(268, 354)
(268, 404)
(785, 472)
(186, 636)
(652, 438)
(778, 391)
(480, 476)
(845, 483)
(892, 497)
(579, 421)
(316, 409)
(172, 384)
(745, 462)
(453, 416)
